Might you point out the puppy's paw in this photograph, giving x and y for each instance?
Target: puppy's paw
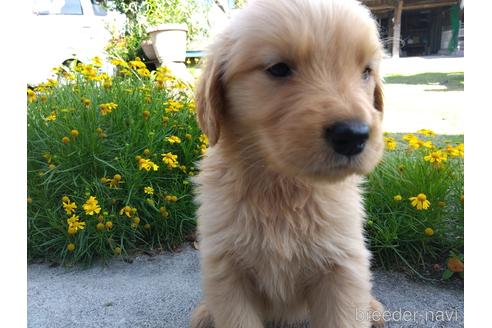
(377, 307)
(201, 317)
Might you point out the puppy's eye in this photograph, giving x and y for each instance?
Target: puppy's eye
(366, 74)
(279, 70)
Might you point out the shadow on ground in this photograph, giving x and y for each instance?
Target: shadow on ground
(450, 81)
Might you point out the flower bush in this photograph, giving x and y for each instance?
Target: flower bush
(109, 161)
(415, 199)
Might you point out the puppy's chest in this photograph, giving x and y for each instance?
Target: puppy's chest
(288, 252)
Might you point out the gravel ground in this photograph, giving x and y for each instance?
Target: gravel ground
(161, 291)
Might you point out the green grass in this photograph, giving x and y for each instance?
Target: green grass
(451, 81)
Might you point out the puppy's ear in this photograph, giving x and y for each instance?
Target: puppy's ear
(378, 95)
(210, 97)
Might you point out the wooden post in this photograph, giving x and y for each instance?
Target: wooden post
(397, 29)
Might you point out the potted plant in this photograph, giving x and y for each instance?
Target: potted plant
(170, 23)
(169, 42)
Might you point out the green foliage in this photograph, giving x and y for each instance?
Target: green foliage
(76, 150)
(142, 14)
(81, 145)
(399, 234)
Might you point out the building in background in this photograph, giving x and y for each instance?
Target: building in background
(423, 27)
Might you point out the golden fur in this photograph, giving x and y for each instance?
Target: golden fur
(280, 213)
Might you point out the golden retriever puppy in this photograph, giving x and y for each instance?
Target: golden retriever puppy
(291, 102)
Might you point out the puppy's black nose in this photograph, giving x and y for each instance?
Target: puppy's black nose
(348, 138)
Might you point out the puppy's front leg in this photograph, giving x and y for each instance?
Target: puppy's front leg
(229, 297)
(341, 299)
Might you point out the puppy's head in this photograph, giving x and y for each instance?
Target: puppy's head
(295, 84)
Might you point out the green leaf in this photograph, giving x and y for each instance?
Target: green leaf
(447, 274)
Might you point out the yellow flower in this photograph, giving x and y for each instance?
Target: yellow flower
(147, 164)
(429, 232)
(146, 114)
(65, 139)
(74, 133)
(115, 181)
(107, 81)
(149, 190)
(51, 83)
(91, 206)
(453, 151)
(436, 158)
(420, 202)
(31, 96)
(170, 160)
(171, 198)
(97, 62)
(397, 198)
(173, 139)
(203, 139)
(147, 152)
(390, 143)
(164, 211)
(100, 226)
(118, 62)
(136, 220)
(71, 247)
(107, 108)
(101, 133)
(417, 143)
(51, 117)
(109, 225)
(86, 102)
(143, 72)
(74, 224)
(69, 207)
(137, 63)
(127, 210)
(173, 106)
(426, 132)
(458, 151)
(117, 250)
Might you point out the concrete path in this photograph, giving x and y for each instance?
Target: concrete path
(161, 291)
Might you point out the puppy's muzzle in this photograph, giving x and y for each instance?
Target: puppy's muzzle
(347, 138)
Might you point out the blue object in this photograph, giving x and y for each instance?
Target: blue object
(195, 54)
